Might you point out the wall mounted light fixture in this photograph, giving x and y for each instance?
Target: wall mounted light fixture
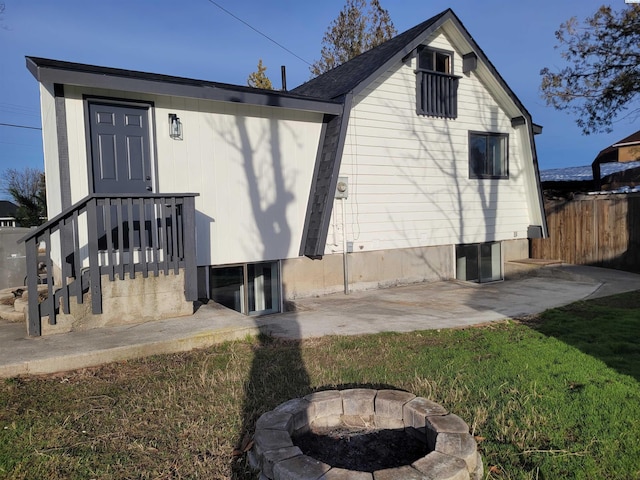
(175, 127)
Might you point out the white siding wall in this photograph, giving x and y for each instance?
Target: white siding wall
(252, 167)
(50, 148)
(409, 174)
(51, 171)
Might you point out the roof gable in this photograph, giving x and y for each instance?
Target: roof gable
(353, 77)
(356, 74)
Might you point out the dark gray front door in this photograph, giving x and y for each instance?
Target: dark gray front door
(120, 148)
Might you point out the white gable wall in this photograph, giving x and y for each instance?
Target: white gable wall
(409, 174)
(252, 167)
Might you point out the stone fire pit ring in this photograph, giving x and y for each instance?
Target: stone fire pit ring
(453, 452)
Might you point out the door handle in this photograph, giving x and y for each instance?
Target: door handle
(148, 189)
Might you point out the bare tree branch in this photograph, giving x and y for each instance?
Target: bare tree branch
(602, 80)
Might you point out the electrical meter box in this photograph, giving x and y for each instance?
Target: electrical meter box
(342, 188)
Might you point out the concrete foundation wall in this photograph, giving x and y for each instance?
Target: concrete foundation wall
(302, 277)
(128, 301)
(515, 249)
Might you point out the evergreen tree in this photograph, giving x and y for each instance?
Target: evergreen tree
(360, 26)
(259, 79)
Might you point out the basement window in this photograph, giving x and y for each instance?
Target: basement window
(250, 288)
(479, 262)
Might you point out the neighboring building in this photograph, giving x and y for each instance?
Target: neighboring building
(415, 157)
(623, 151)
(617, 167)
(8, 214)
(572, 180)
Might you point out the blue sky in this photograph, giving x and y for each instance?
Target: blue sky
(196, 39)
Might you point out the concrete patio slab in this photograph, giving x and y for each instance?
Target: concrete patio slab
(401, 309)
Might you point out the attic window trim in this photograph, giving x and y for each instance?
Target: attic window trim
(436, 51)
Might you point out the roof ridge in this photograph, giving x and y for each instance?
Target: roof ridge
(343, 78)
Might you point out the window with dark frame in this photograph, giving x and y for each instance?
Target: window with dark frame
(479, 262)
(488, 155)
(434, 61)
(249, 288)
(437, 88)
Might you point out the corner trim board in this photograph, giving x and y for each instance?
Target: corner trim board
(63, 144)
(325, 179)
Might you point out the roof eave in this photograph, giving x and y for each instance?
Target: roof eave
(140, 82)
(626, 144)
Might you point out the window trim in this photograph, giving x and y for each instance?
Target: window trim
(473, 175)
(450, 53)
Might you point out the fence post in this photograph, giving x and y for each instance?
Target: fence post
(597, 258)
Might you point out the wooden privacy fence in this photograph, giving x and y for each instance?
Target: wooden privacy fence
(602, 230)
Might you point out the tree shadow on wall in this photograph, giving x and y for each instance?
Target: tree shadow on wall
(277, 370)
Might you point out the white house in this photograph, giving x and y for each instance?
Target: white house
(8, 214)
(412, 162)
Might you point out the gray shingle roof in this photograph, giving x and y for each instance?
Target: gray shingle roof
(70, 73)
(344, 78)
(7, 209)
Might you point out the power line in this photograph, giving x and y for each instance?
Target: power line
(12, 112)
(19, 126)
(259, 32)
(15, 105)
(33, 145)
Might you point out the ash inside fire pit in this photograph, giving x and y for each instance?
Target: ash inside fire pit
(361, 449)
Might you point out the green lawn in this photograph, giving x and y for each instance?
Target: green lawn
(552, 397)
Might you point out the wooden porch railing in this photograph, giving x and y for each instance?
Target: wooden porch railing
(115, 235)
(437, 94)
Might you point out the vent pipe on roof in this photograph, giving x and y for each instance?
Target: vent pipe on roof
(283, 72)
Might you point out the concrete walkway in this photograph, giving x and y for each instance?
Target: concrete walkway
(400, 309)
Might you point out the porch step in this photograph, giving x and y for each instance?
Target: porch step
(13, 307)
(21, 304)
(7, 309)
(7, 296)
(7, 312)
